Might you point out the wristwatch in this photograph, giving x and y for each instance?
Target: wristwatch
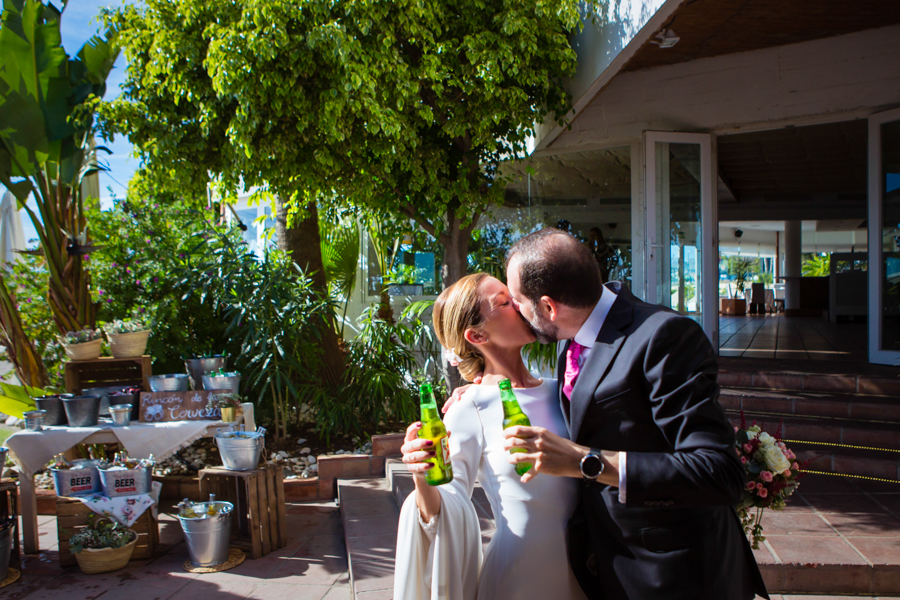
(592, 465)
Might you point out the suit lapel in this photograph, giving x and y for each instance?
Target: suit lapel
(609, 342)
(561, 349)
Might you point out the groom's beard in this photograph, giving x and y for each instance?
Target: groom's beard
(545, 331)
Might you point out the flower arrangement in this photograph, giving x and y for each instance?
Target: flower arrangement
(225, 401)
(772, 474)
(81, 337)
(126, 326)
(100, 533)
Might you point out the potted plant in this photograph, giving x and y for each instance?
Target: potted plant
(83, 345)
(227, 405)
(127, 337)
(103, 546)
(740, 269)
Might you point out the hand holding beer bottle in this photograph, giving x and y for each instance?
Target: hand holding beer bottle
(433, 429)
(513, 415)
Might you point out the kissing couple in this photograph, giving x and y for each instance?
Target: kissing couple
(634, 474)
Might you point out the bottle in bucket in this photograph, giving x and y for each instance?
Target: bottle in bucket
(513, 415)
(434, 430)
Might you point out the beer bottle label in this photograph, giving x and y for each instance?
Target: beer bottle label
(445, 450)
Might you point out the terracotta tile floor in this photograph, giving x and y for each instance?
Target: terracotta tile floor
(313, 566)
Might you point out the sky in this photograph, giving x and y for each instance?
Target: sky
(79, 22)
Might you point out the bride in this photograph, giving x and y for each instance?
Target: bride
(439, 551)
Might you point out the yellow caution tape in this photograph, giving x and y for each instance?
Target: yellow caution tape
(838, 445)
(847, 475)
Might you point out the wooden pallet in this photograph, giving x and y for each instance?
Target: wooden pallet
(72, 516)
(258, 524)
(108, 372)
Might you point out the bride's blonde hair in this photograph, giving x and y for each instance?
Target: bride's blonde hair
(459, 308)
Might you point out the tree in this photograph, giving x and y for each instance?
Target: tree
(405, 106)
(47, 102)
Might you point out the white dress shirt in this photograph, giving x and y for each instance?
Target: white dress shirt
(587, 336)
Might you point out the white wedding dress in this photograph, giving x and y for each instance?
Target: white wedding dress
(526, 559)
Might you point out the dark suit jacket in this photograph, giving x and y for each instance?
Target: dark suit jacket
(649, 387)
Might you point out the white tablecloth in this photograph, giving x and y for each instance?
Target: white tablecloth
(33, 449)
(770, 299)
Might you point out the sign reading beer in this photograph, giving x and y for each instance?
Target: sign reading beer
(159, 407)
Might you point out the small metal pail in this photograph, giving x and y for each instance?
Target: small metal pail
(229, 381)
(34, 419)
(207, 536)
(240, 453)
(80, 480)
(82, 411)
(121, 414)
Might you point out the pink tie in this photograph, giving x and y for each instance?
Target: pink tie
(572, 368)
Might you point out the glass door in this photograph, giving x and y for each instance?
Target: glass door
(884, 238)
(681, 247)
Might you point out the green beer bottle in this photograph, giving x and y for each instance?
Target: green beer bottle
(513, 415)
(434, 430)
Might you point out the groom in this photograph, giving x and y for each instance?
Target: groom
(648, 439)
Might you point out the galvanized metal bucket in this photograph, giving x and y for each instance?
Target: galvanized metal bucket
(121, 414)
(229, 381)
(3, 452)
(196, 367)
(103, 393)
(172, 382)
(6, 543)
(125, 482)
(240, 452)
(82, 411)
(34, 419)
(206, 536)
(80, 480)
(56, 414)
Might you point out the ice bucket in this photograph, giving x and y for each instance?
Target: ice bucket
(173, 382)
(206, 535)
(34, 419)
(240, 451)
(82, 411)
(80, 480)
(6, 542)
(197, 367)
(228, 381)
(116, 481)
(121, 414)
(56, 414)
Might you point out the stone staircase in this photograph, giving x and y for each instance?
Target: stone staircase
(839, 535)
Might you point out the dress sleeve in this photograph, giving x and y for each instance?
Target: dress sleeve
(442, 561)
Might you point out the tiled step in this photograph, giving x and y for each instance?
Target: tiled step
(846, 383)
(812, 404)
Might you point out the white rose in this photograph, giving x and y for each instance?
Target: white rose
(765, 439)
(775, 459)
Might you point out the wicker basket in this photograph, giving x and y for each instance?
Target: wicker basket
(85, 351)
(128, 345)
(104, 560)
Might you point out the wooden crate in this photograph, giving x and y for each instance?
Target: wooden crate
(258, 523)
(108, 372)
(72, 516)
(9, 507)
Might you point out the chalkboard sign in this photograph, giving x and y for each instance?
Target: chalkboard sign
(160, 407)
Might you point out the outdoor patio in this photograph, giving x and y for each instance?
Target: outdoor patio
(313, 566)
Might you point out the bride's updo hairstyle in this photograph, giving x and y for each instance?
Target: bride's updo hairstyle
(459, 308)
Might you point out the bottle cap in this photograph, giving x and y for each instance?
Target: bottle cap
(505, 384)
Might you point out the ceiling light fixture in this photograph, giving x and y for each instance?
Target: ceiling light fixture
(665, 39)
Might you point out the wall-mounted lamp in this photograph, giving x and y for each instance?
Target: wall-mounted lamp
(665, 39)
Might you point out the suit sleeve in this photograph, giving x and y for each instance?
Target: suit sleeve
(703, 470)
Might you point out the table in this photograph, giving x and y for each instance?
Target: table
(770, 299)
(52, 438)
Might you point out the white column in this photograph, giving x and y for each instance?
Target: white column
(792, 264)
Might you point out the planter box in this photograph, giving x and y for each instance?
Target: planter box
(733, 307)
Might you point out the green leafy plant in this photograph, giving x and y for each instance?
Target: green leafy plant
(817, 265)
(741, 268)
(17, 399)
(101, 533)
(82, 336)
(126, 326)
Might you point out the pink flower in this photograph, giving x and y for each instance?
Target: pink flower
(766, 475)
(735, 429)
(743, 460)
(759, 486)
(748, 448)
(787, 473)
(762, 493)
(751, 486)
(795, 466)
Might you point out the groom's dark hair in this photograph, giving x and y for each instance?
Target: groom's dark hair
(555, 264)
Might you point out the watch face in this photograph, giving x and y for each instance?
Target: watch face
(591, 466)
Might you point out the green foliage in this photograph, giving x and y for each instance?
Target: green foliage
(101, 533)
(488, 250)
(741, 268)
(403, 107)
(144, 245)
(817, 265)
(16, 399)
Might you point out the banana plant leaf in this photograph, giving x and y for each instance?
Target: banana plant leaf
(16, 399)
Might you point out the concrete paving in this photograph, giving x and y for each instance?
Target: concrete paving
(313, 566)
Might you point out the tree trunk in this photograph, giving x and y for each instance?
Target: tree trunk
(300, 239)
(28, 364)
(455, 266)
